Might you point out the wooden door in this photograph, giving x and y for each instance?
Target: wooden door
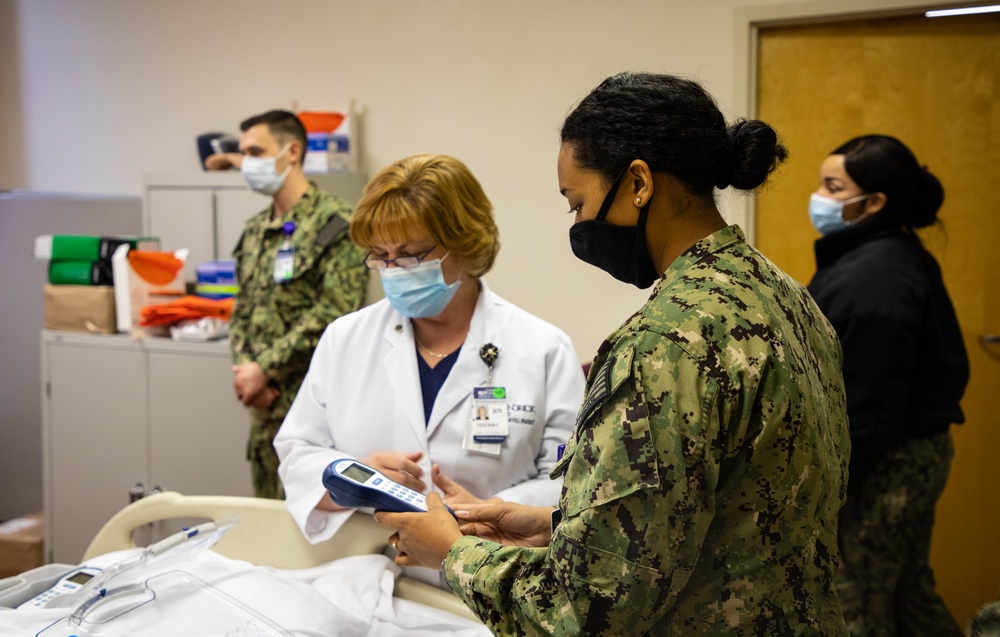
(935, 84)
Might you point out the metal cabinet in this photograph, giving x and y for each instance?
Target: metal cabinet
(197, 428)
(94, 438)
(117, 411)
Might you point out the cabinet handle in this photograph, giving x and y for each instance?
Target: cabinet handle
(137, 492)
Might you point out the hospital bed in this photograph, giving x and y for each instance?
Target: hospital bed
(240, 566)
(266, 535)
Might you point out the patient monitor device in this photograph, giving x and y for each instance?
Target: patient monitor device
(65, 586)
(68, 583)
(354, 484)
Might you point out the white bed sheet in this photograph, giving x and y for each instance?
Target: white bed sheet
(350, 597)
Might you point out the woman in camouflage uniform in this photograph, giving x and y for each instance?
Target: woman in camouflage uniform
(708, 463)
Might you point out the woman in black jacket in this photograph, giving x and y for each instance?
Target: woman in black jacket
(905, 369)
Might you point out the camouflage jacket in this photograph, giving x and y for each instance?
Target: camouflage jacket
(278, 324)
(704, 477)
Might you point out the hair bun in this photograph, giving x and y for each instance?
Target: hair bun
(753, 153)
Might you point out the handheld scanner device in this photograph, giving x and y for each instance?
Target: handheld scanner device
(355, 484)
(68, 583)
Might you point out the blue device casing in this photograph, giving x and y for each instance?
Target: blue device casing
(348, 493)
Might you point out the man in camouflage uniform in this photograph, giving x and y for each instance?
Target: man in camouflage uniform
(708, 464)
(275, 326)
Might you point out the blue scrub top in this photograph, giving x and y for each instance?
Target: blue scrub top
(432, 379)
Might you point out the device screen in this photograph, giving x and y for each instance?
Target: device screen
(358, 473)
(80, 578)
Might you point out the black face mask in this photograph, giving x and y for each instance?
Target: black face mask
(618, 250)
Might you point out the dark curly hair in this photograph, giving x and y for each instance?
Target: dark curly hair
(674, 126)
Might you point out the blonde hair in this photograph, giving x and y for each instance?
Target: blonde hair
(434, 196)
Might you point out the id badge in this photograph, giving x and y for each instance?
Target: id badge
(491, 449)
(488, 427)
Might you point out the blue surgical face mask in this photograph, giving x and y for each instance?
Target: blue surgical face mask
(827, 213)
(418, 291)
(261, 175)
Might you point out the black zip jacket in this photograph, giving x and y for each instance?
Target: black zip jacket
(905, 364)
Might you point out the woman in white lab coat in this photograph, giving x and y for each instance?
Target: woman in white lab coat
(393, 384)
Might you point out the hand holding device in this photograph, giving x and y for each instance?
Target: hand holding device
(355, 484)
(422, 540)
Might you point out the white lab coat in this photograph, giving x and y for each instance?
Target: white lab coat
(362, 395)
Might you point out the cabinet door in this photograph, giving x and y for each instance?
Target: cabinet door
(198, 430)
(183, 219)
(96, 441)
(232, 209)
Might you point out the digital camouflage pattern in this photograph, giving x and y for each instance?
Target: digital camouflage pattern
(885, 583)
(986, 621)
(703, 480)
(278, 325)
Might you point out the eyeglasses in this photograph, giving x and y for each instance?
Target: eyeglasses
(378, 263)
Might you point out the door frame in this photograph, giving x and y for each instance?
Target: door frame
(751, 23)
(751, 19)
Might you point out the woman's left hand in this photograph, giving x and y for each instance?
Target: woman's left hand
(422, 539)
(454, 493)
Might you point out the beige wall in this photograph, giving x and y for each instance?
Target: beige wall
(96, 93)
